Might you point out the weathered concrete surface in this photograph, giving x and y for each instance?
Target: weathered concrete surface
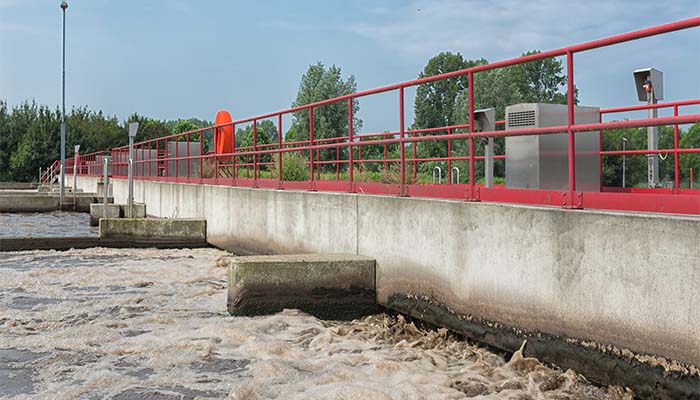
(18, 185)
(183, 231)
(115, 211)
(34, 202)
(47, 243)
(84, 242)
(137, 210)
(627, 280)
(332, 286)
(97, 211)
(27, 201)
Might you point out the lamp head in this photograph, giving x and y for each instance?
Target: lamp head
(133, 128)
(64, 5)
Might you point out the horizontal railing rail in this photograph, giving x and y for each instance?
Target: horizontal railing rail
(331, 161)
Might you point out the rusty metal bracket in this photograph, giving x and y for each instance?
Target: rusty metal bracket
(574, 202)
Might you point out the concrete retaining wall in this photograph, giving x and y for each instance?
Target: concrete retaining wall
(627, 280)
(31, 202)
(332, 286)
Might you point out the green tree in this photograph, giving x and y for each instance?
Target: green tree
(542, 81)
(265, 132)
(149, 128)
(436, 102)
(330, 120)
(38, 147)
(690, 139)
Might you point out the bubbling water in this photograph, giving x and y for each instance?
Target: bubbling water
(152, 324)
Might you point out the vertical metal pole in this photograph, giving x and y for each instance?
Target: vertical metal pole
(311, 143)
(449, 156)
(653, 143)
(75, 179)
(351, 148)
(63, 117)
(488, 163)
(131, 178)
(691, 178)
(472, 182)
(624, 161)
(279, 150)
(255, 153)
(187, 155)
(573, 203)
(234, 161)
(600, 156)
(105, 185)
(402, 134)
(385, 152)
(201, 155)
(676, 168)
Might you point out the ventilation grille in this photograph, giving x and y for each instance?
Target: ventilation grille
(518, 119)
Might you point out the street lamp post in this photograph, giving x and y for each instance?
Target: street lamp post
(624, 141)
(64, 7)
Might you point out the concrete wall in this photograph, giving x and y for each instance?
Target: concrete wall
(623, 279)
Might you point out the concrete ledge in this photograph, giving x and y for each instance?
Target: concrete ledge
(47, 243)
(330, 286)
(192, 231)
(18, 185)
(97, 211)
(138, 210)
(85, 242)
(17, 203)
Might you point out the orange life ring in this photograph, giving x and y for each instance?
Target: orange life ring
(223, 136)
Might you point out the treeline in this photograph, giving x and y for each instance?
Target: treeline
(30, 135)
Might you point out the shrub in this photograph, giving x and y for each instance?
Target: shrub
(294, 167)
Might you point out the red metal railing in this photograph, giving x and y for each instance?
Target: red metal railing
(184, 157)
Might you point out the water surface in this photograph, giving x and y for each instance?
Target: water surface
(56, 223)
(152, 324)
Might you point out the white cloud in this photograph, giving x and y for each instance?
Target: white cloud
(482, 28)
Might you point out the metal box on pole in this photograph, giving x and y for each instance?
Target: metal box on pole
(649, 83)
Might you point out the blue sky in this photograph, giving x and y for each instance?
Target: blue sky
(171, 59)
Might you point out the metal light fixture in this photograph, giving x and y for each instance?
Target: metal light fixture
(62, 192)
(133, 129)
(649, 83)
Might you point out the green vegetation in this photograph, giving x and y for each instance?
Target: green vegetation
(30, 135)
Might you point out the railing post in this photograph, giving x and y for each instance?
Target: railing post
(187, 155)
(472, 191)
(676, 168)
(449, 156)
(402, 135)
(201, 155)
(279, 152)
(105, 184)
(311, 150)
(351, 148)
(234, 159)
(572, 199)
(255, 153)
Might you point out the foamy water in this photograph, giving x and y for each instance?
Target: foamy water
(56, 223)
(152, 324)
